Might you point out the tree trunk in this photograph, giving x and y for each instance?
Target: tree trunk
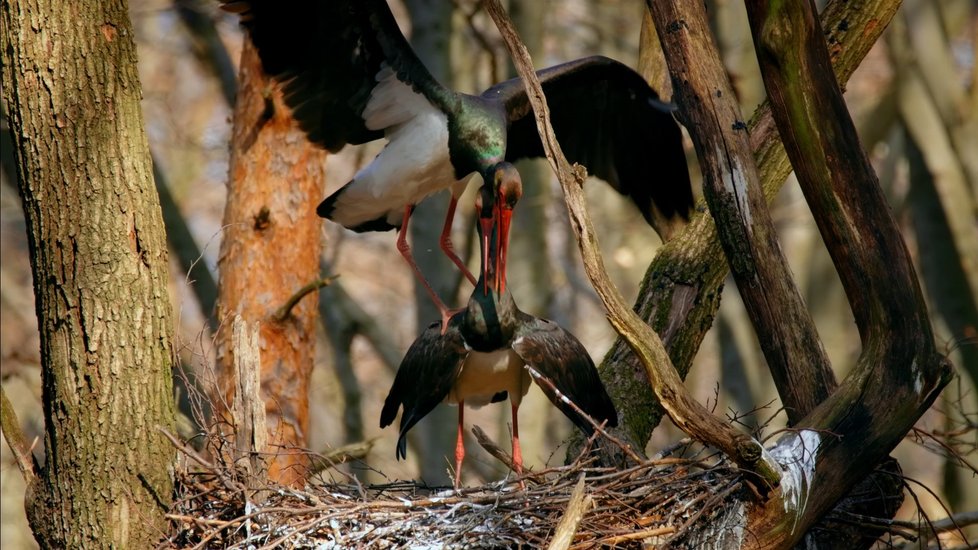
(99, 261)
(270, 250)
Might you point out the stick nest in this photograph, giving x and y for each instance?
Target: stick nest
(660, 499)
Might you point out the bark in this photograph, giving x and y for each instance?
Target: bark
(681, 289)
(270, 250)
(856, 427)
(707, 103)
(99, 262)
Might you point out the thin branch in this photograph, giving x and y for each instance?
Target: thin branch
(283, 313)
(541, 379)
(341, 455)
(16, 440)
(577, 506)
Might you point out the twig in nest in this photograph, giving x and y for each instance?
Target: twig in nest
(283, 313)
(341, 455)
(541, 379)
(637, 535)
(578, 505)
(496, 451)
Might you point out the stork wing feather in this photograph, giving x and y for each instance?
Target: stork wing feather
(425, 377)
(558, 355)
(607, 118)
(328, 55)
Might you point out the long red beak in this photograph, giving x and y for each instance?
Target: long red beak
(504, 217)
(486, 224)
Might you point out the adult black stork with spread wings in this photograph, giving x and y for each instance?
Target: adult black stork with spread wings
(350, 76)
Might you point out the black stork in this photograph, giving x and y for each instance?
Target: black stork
(350, 77)
(479, 358)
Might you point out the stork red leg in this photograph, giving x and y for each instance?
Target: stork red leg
(446, 242)
(517, 453)
(459, 446)
(405, 249)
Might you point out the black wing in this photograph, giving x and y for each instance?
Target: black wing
(327, 55)
(561, 357)
(425, 377)
(608, 119)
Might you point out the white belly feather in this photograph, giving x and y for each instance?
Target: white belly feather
(484, 375)
(413, 165)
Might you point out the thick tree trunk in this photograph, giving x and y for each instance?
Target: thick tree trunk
(270, 250)
(99, 260)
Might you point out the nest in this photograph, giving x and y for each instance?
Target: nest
(658, 501)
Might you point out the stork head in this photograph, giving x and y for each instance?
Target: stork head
(497, 198)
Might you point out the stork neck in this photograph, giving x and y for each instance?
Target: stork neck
(490, 319)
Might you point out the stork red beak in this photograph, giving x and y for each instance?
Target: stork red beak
(503, 217)
(486, 225)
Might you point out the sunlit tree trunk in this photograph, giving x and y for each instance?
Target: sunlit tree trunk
(99, 261)
(270, 250)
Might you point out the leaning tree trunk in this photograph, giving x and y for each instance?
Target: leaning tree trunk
(99, 261)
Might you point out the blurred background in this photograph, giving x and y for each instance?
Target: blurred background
(914, 100)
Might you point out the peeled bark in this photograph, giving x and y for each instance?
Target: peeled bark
(680, 293)
(270, 250)
(99, 261)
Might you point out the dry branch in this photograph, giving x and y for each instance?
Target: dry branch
(899, 372)
(578, 505)
(731, 184)
(16, 440)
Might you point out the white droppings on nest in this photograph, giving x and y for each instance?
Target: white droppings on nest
(796, 453)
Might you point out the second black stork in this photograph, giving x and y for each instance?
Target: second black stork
(350, 77)
(483, 354)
